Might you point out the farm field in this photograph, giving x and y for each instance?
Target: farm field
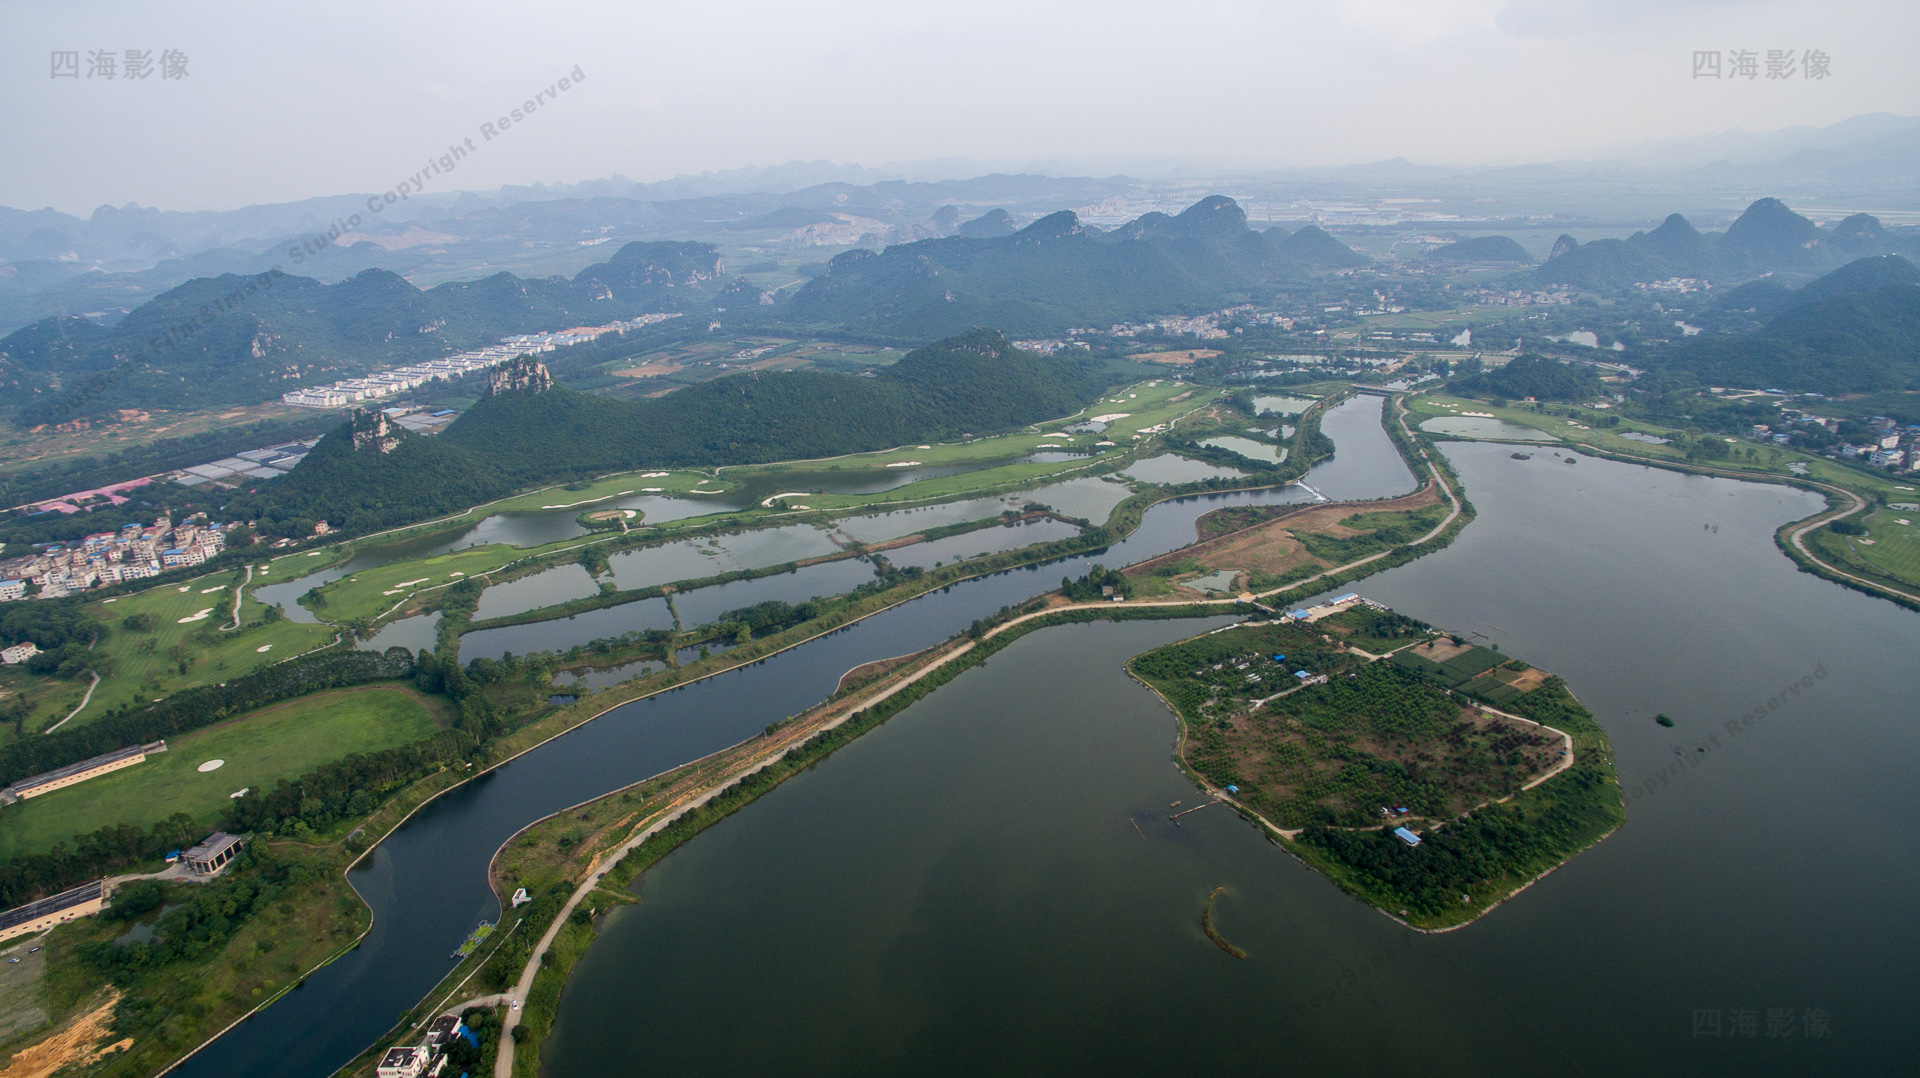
(260, 748)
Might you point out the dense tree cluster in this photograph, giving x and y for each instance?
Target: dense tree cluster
(1534, 376)
(348, 787)
(201, 921)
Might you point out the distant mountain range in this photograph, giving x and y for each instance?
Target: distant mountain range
(241, 340)
(1058, 273)
(1767, 238)
(267, 335)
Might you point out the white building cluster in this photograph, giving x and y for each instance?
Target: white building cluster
(349, 391)
(1486, 297)
(132, 553)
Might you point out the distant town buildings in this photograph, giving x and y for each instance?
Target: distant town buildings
(349, 391)
(132, 553)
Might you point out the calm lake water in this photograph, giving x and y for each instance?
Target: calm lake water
(1283, 405)
(1249, 448)
(963, 891)
(426, 883)
(1169, 469)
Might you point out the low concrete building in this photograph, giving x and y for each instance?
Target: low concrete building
(61, 777)
(443, 1030)
(212, 855)
(42, 914)
(407, 1062)
(22, 651)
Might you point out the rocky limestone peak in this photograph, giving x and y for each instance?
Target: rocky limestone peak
(521, 374)
(374, 431)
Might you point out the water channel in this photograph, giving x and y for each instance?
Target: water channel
(426, 883)
(964, 892)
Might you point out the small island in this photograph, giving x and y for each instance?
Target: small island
(1424, 774)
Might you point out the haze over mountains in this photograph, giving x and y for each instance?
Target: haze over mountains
(1044, 279)
(118, 257)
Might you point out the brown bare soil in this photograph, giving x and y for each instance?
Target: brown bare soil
(78, 1045)
(648, 370)
(868, 673)
(1270, 547)
(1440, 649)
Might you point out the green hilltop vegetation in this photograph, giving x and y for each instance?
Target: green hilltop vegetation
(240, 340)
(369, 474)
(1855, 330)
(1533, 376)
(1482, 249)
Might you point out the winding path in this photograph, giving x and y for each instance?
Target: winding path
(237, 593)
(1856, 504)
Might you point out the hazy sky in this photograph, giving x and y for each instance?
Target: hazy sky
(281, 102)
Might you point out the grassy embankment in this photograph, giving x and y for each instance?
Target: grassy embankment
(260, 748)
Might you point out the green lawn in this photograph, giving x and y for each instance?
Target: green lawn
(259, 748)
(1895, 549)
(600, 490)
(149, 663)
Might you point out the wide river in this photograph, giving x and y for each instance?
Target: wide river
(427, 882)
(964, 891)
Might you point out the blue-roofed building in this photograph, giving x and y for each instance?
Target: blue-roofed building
(1406, 836)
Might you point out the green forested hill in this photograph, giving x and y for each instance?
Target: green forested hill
(972, 383)
(1537, 377)
(241, 340)
(1767, 237)
(1855, 330)
(1043, 279)
(1056, 274)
